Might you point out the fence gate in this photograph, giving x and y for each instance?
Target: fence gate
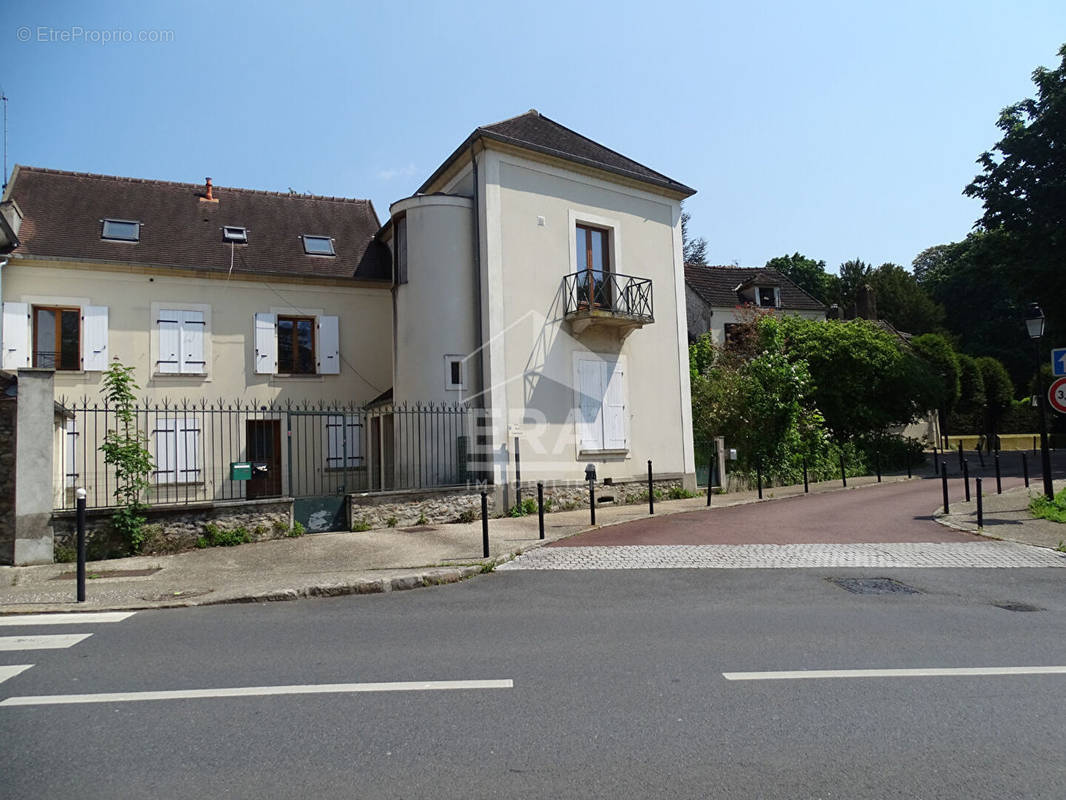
(327, 460)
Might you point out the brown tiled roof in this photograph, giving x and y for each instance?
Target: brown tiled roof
(718, 286)
(63, 213)
(536, 132)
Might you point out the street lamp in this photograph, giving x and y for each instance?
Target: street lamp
(1034, 323)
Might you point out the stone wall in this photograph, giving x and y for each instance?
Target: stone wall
(172, 529)
(407, 508)
(7, 479)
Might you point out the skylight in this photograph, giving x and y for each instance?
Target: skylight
(318, 245)
(235, 233)
(122, 230)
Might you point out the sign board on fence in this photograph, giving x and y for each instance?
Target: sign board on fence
(1058, 361)
(1056, 395)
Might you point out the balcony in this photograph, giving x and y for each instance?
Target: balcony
(607, 300)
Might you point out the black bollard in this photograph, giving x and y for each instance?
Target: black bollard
(710, 473)
(1034, 445)
(980, 506)
(966, 477)
(944, 482)
(484, 525)
(651, 489)
(81, 545)
(843, 474)
(981, 455)
(960, 453)
(517, 476)
(806, 487)
(592, 501)
(1025, 469)
(758, 477)
(540, 507)
(877, 463)
(909, 474)
(999, 478)
(936, 462)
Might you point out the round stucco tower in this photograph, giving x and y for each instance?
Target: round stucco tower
(436, 299)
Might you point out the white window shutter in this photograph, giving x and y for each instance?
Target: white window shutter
(193, 331)
(266, 344)
(187, 433)
(166, 453)
(334, 443)
(94, 354)
(16, 336)
(589, 419)
(344, 437)
(169, 326)
(614, 408)
(329, 346)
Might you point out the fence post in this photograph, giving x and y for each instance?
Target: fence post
(980, 506)
(81, 545)
(540, 507)
(485, 525)
(999, 479)
(758, 477)
(1025, 468)
(966, 477)
(806, 486)
(944, 483)
(843, 473)
(651, 489)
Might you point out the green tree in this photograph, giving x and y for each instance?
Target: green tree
(853, 274)
(904, 303)
(944, 367)
(971, 385)
(125, 448)
(808, 274)
(999, 393)
(694, 250)
(1023, 188)
(864, 379)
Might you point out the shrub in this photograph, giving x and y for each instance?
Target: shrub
(360, 525)
(392, 522)
(1054, 510)
(296, 530)
(222, 537)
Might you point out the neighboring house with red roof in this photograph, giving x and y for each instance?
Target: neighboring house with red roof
(536, 276)
(713, 296)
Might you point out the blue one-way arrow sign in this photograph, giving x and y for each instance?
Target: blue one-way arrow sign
(1058, 361)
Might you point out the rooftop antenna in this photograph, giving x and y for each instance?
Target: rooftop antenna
(3, 99)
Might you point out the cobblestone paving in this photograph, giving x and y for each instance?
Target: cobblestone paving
(789, 556)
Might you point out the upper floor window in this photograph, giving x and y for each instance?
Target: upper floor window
(182, 334)
(56, 338)
(286, 344)
(318, 245)
(296, 345)
(235, 234)
(594, 260)
(768, 296)
(122, 230)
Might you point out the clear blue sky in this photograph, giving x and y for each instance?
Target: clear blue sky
(837, 129)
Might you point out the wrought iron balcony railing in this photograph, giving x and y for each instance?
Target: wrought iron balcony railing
(608, 297)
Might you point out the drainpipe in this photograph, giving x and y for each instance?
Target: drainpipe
(477, 277)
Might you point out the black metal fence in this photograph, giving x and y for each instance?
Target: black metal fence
(230, 451)
(625, 295)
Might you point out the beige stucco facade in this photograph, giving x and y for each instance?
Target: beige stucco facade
(134, 298)
(532, 357)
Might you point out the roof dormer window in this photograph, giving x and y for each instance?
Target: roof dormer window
(318, 245)
(768, 296)
(121, 230)
(235, 234)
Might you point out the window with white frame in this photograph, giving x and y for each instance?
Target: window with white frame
(768, 296)
(297, 344)
(60, 335)
(454, 367)
(182, 337)
(176, 449)
(344, 441)
(601, 410)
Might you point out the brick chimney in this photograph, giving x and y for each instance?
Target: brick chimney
(866, 302)
(208, 195)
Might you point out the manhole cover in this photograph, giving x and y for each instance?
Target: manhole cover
(873, 586)
(1017, 607)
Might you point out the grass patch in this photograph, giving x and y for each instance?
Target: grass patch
(1054, 510)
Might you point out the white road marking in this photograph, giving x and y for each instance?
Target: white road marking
(254, 691)
(929, 672)
(12, 670)
(54, 641)
(66, 619)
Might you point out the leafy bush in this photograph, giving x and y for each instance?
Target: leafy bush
(527, 506)
(296, 530)
(1054, 510)
(222, 537)
(360, 525)
(678, 493)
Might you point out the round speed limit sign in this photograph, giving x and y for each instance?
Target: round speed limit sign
(1056, 395)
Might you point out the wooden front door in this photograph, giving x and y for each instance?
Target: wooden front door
(264, 451)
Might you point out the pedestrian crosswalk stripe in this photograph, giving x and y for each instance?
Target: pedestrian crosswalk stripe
(65, 619)
(12, 670)
(56, 641)
(922, 672)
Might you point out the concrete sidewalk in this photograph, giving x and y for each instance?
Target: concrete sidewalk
(326, 564)
(1006, 516)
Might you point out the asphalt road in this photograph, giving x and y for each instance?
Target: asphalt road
(618, 691)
